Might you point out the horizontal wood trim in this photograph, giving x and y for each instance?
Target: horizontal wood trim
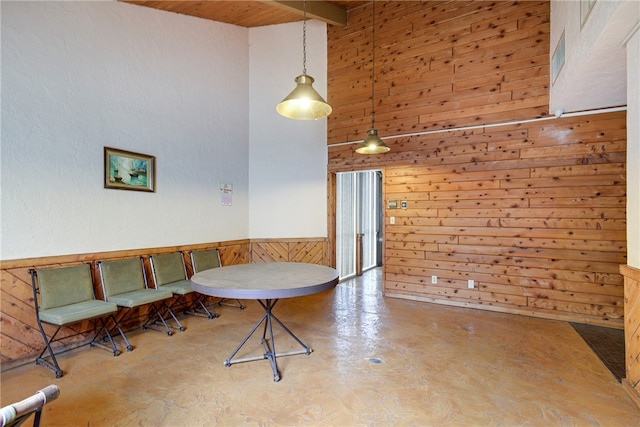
(631, 273)
(97, 256)
(303, 239)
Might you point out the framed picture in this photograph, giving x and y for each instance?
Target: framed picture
(124, 170)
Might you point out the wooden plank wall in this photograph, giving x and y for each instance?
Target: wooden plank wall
(533, 212)
(311, 250)
(20, 339)
(439, 65)
(632, 331)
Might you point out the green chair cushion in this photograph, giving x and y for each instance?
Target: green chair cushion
(181, 287)
(139, 297)
(77, 312)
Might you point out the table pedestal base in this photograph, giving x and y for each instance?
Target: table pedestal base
(269, 345)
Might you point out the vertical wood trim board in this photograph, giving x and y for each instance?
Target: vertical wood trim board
(632, 330)
(533, 212)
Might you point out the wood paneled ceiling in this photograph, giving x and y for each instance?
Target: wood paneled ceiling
(256, 13)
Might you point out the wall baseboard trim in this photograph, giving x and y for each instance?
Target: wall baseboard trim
(548, 314)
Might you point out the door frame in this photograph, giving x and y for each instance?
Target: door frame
(331, 212)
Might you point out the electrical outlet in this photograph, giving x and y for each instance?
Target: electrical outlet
(434, 279)
(471, 284)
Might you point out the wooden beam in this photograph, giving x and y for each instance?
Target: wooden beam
(320, 10)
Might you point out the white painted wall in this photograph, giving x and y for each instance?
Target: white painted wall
(78, 76)
(288, 158)
(633, 150)
(593, 75)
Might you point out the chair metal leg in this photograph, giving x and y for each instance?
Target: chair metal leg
(107, 337)
(100, 331)
(37, 416)
(223, 302)
(128, 345)
(167, 308)
(202, 310)
(152, 323)
(209, 314)
(206, 301)
(40, 360)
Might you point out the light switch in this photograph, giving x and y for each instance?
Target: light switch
(392, 220)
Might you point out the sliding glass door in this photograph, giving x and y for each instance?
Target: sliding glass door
(358, 221)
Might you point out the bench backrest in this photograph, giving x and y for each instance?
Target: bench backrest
(168, 268)
(64, 286)
(122, 276)
(205, 260)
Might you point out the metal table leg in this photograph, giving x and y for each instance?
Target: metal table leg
(269, 344)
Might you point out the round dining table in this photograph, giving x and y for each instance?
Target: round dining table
(266, 283)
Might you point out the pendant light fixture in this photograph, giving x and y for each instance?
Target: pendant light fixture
(372, 143)
(304, 103)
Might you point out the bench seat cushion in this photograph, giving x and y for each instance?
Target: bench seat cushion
(180, 287)
(139, 297)
(77, 312)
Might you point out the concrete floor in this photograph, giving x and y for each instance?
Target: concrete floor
(436, 365)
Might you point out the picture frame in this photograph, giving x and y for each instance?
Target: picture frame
(126, 170)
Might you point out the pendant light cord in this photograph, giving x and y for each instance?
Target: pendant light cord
(373, 63)
(304, 39)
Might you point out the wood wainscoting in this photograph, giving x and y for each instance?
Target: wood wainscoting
(632, 330)
(21, 341)
(312, 250)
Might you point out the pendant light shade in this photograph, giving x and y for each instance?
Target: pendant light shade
(304, 103)
(372, 144)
